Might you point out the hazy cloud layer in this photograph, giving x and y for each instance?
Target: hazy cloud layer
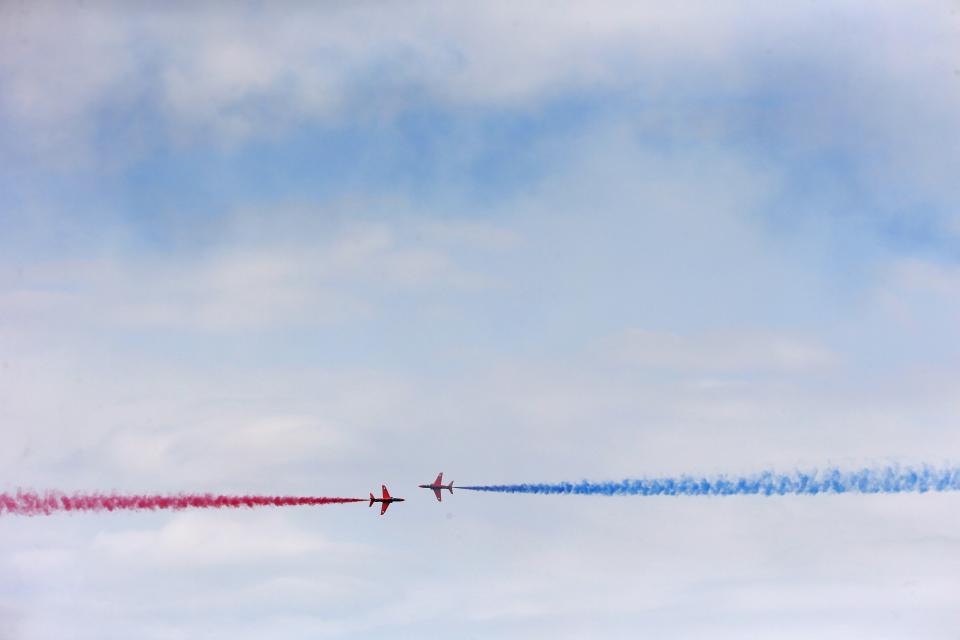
(312, 250)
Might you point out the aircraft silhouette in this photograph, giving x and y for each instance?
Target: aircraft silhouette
(437, 486)
(386, 499)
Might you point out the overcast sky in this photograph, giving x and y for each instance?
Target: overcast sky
(309, 249)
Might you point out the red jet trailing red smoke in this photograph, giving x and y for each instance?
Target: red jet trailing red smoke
(386, 499)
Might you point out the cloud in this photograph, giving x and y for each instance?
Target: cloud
(338, 275)
(247, 568)
(58, 66)
(208, 74)
(133, 423)
(238, 442)
(689, 275)
(198, 540)
(9, 623)
(872, 128)
(923, 276)
(919, 296)
(242, 72)
(719, 353)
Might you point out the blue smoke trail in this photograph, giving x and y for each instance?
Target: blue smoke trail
(885, 480)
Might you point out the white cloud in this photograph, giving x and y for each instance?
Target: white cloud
(719, 353)
(625, 315)
(921, 296)
(238, 442)
(236, 74)
(57, 67)
(9, 620)
(200, 539)
(293, 281)
(44, 560)
(923, 276)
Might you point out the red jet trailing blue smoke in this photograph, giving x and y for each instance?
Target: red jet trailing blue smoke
(437, 486)
(386, 499)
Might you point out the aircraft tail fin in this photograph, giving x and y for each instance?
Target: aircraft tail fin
(450, 487)
(371, 500)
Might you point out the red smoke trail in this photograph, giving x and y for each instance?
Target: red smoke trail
(29, 503)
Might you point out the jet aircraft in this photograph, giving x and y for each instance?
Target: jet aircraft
(437, 486)
(386, 499)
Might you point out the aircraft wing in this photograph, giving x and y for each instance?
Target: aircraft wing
(383, 507)
(436, 492)
(439, 479)
(386, 494)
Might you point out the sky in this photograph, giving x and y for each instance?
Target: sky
(309, 248)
